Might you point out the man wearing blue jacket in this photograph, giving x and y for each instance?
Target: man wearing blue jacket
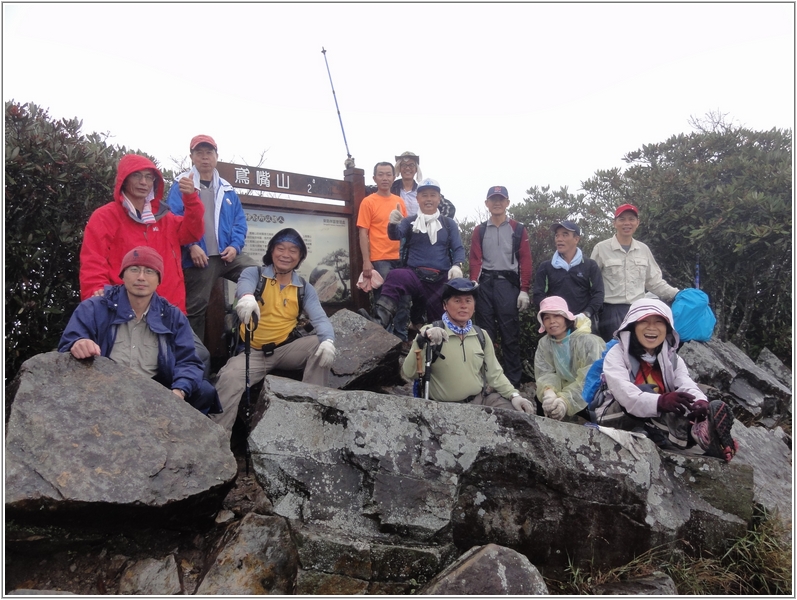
(431, 254)
(133, 326)
(218, 253)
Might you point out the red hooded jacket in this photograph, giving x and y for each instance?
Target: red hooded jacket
(111, 233)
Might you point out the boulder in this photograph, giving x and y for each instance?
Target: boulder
(756, 394)
(151, 577)
(489, 570)
(368, 356)
(656, 584)
(255, 556)
(94, 440)
(775, 367)
(415, 476)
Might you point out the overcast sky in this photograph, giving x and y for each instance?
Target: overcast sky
(487, 94)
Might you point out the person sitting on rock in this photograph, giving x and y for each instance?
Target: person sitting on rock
(133, 326)
(648, 383)
(467, 363)
(563, 357)
(276, 341)
(431, 253)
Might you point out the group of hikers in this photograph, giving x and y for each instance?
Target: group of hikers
(147, 267)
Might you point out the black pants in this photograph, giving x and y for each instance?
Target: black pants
(611, 318)
(497, 313)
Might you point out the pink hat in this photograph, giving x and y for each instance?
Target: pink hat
(555, 305)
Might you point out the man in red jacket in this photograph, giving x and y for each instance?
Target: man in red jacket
(137, 217)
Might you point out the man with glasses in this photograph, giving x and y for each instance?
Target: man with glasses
(137, 217)
(628, 269)
(218, 251)
(500, 260)
(133, 326)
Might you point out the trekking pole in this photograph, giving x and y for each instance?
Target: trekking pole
(247, 350)
(697, 271)
(349, 160)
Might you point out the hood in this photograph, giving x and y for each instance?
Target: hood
(131, 163)
(648, 306)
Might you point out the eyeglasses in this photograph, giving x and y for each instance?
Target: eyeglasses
(407, 163)
(145, 175)
(147, 271)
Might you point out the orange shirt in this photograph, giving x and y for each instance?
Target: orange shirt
(374, 216)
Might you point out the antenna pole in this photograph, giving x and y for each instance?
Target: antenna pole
(349, 159)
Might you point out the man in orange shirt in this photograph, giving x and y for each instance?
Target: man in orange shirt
(380, 253)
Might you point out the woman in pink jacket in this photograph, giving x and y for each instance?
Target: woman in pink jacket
(649, 388)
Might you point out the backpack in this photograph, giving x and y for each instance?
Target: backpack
(517, 235)
(233, 323)
(692, 316)
(404, 246)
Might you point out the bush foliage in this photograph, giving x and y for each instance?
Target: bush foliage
(55, 178)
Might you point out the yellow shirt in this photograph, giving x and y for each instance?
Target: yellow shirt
(278, 314)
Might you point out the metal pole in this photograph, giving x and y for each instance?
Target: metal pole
(349, 160)
(247, 350)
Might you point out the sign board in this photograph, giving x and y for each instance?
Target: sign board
(282, 182)
(327, 265)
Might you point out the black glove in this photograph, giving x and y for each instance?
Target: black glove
(675, 402)
(699, 410)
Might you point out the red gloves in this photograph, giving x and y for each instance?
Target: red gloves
(699, 410)
(675, 402)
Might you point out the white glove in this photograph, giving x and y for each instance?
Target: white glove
(522, 404)
(553, 406)
(523, 301)
(436, 335)
(245, 307)
(454, 272)
(395, 216)
(325, 354)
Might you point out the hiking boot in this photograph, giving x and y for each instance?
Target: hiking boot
(714, 433)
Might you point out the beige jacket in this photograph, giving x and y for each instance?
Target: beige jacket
(627, 275)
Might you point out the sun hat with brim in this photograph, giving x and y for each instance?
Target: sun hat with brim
(555, 305)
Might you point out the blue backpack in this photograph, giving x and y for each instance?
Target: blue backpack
(693, 317)
(594, 377)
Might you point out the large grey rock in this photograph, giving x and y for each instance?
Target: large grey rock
(94, 439)
(775, 367)
(656, 584)
(401, 471)
(724, 366)
(489, 570)
(770, 456)
(255, 556)
(151, 577)
(368, 356)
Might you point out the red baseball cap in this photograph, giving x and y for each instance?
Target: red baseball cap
(621, 209)
(203, 139)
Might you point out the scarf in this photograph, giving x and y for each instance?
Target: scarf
(456, 328)
(558, 262)
(428, 224)
(146, 214)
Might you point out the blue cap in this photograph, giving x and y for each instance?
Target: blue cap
(569, 225)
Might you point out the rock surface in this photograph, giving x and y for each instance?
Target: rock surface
(657, 584)
(367, 354)
(775, 367)
(92, 438)
(402, 471)
(256, 556)
(151, 577)
(489, 570)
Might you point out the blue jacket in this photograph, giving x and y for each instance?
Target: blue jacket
(98, 318)
(230, 218)
(447, 251)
